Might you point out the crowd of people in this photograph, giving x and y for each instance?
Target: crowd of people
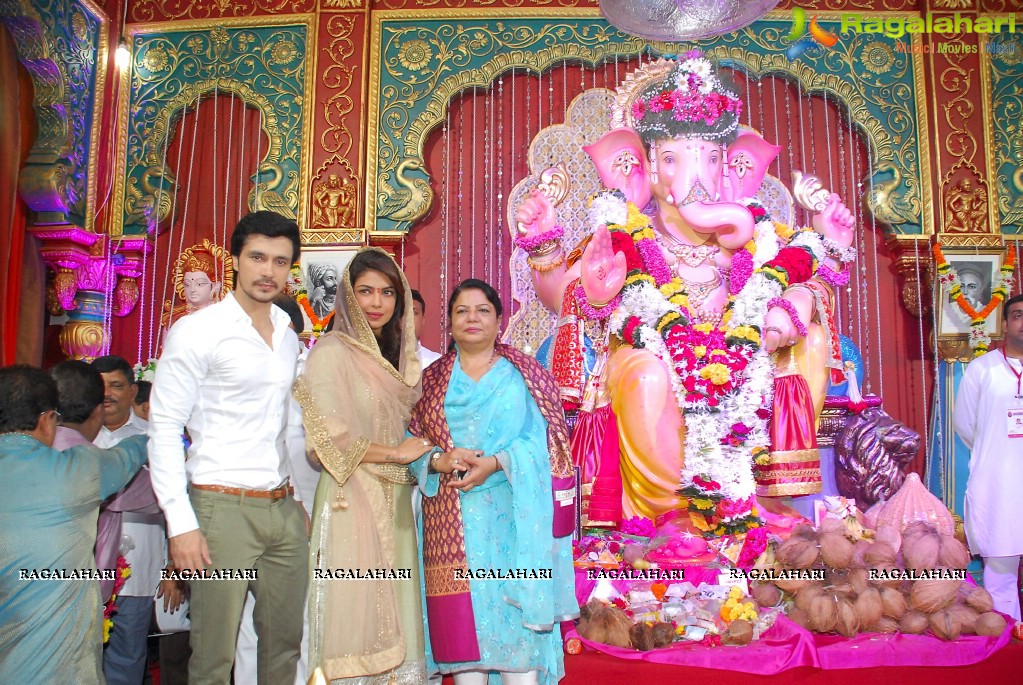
(373, 509)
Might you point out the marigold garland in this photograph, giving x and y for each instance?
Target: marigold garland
(110, 607)
(949, 277)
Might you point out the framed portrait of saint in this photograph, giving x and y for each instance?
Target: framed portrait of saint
(321, 271)
(978, 272)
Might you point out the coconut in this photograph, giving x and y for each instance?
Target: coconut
(766, 594)
(869, 607)
(823, 612)
(990, 624)
(806, 594)
(885, 625)
(860, 549)
(605, 624)
(792, 585)
(831, 526)
(888, 575)
(933, 594)
(799, 616)
(880, 554)
(859, 578)
(836, 550)
(890, 536)
(740, 632)
(980, 600)
(663, 634)
(848, 623)
(946, 625)
(967, 618)
(913, 622)
(921, 551)
(893, 603)
(642, 636)
(952, 553)
(797, 552)
(916, 529)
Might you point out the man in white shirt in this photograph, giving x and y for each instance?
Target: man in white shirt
(989, 418)
(425, 354)
(226, 374)
(142, 537)
(305, 477)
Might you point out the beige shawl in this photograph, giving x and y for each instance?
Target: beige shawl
(352, 396)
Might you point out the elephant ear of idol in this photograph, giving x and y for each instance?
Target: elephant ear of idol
(749, 157)
(621, 161)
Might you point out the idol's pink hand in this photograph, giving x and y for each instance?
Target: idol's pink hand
(835, 222)
(535, 215)
(603, 270)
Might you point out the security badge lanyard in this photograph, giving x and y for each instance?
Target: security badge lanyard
(1014, 416)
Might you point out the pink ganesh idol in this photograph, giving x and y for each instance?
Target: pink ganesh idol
(718, 321)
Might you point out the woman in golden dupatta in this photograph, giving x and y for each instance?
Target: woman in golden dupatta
(357, 392)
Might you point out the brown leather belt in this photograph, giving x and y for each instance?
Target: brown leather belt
(275, 494)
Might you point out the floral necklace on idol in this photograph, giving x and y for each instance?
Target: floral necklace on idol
(722, 376)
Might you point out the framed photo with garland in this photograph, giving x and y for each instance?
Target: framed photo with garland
(978, 275)
(320, 272)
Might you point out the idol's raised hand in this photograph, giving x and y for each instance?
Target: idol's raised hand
(603, 270)
(835, 221)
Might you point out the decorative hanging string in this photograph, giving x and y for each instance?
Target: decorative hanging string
(241, 162)
(151, 296)
(227, 188)
(877, 287)
(259, 163)
(188, 199)
(923, 370)
(445, 258)
(461, 176)
(472, 195)
(216, 126)
(948, 277)
(174, 214)
(499, 160)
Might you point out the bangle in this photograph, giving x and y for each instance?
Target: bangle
(790, 309)
(543, 266)
(833, 278)
(592, 311)
(841, 253)
(497, 462)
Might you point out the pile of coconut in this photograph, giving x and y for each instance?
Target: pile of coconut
(868, 585)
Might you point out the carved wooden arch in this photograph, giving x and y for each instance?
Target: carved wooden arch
(188, 100)
(420, 67)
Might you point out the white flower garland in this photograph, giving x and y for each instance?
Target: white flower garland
(707, 427)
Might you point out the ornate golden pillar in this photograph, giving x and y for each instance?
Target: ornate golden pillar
(87, 281)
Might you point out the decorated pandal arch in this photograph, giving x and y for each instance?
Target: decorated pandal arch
(457, 115)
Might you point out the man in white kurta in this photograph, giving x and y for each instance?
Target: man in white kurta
(989, 419)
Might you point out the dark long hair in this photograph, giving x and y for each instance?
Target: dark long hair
(389, 339)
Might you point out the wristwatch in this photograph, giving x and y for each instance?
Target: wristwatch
(433, 461)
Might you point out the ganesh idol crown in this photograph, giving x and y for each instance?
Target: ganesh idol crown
(719, 340)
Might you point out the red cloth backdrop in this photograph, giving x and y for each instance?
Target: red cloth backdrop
(213, 155)
(12, 230)
(481, 151)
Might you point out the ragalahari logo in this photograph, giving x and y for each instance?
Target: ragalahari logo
(800, 41)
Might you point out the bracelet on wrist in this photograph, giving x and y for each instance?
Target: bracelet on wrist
(533, 243)
(545, 265)
(790, 309)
